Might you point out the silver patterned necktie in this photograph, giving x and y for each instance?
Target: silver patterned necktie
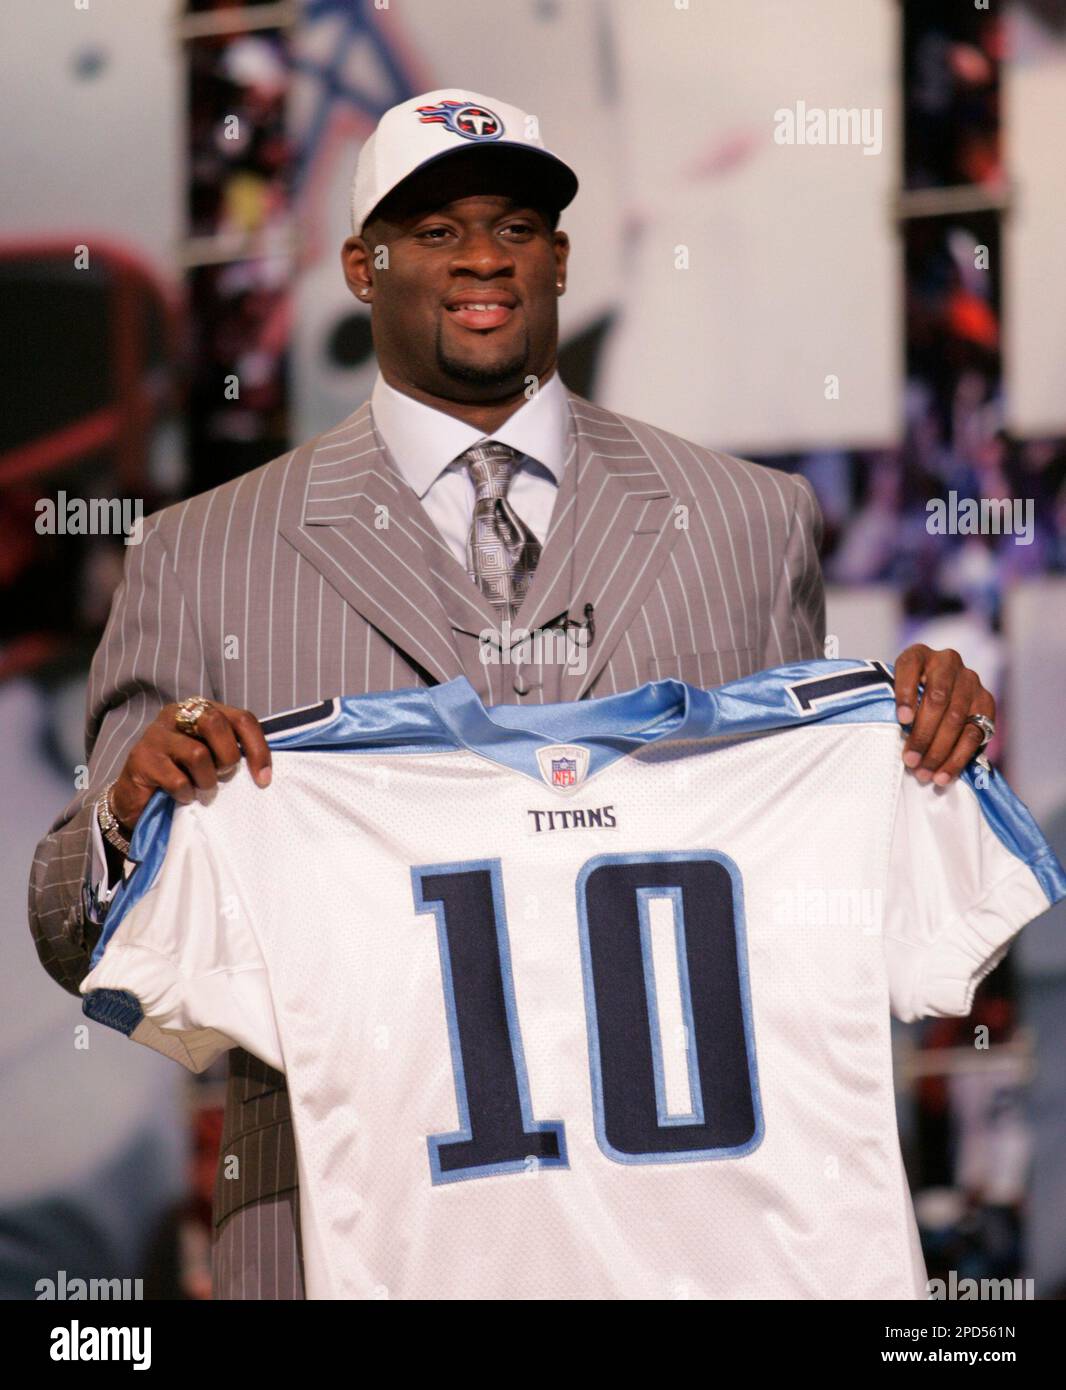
(502, 552)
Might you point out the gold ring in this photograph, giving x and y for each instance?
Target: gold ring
(189, 712)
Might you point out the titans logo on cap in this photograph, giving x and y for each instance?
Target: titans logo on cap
(463, 118)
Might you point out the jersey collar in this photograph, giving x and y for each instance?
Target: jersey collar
(608, 727)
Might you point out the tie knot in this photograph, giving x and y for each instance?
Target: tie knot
(491, 466)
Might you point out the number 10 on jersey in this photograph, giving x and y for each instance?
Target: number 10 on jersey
(661, 938)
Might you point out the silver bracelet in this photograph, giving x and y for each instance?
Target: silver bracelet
(109, 823)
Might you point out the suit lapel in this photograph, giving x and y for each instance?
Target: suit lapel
(548, 597)
(624, 527)
(612, 528)
(358, 524)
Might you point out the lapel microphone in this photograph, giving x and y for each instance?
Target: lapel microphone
(564, 623)
(561, 623)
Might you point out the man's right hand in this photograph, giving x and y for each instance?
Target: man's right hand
(181, 765)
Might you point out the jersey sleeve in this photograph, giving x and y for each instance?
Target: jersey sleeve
(968, 869)
(181, 970)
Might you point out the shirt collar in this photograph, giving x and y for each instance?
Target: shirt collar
(422, 441)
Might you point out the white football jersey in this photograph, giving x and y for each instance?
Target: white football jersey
(585, 1000)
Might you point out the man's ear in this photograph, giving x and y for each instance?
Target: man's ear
(562, 250)
(355, 258)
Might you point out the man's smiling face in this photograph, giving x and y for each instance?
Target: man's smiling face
(467, 309)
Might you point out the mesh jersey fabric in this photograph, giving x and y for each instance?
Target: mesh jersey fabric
(588, 1001)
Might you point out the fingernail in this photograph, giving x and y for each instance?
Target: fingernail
(904, 714)
(912, 759)
(263, 776)
(942, 779)
(924, 775)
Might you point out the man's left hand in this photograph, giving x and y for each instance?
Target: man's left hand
(941, 741)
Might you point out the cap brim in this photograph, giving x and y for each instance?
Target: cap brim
(555, 182)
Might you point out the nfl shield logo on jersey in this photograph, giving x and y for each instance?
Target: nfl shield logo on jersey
(564, 772)
(563, 766)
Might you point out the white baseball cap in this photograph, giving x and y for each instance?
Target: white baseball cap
(437, 124)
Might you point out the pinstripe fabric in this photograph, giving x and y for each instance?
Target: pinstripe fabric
(258, 1254)
(321, 574)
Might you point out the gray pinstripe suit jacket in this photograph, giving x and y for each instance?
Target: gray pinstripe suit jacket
(320, 574)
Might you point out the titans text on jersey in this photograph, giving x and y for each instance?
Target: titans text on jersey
(580, 818)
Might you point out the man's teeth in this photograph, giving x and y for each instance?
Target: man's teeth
(481, 308)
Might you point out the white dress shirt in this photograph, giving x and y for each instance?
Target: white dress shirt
(424, 444)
